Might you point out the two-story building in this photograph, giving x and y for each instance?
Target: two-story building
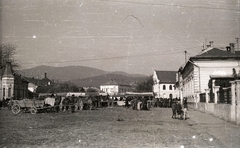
(164, 84)
(195, 74)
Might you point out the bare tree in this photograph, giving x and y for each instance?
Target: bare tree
(7, 53)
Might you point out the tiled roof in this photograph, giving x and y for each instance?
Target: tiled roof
(216, 53)
(166, 76)
(39, 82)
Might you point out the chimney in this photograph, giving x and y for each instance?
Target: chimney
(211, 44)
(228, 48)
(232, 50)
(45, 75)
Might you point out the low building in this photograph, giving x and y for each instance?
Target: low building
(34, 83)
(114, 87)
(164, 84)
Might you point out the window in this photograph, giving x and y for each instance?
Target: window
(3, 92)
(164, 87)
(9, 92)
(170, 87)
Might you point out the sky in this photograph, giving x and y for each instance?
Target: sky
(134, 36)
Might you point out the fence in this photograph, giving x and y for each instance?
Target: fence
(224, 95)
(202, 97)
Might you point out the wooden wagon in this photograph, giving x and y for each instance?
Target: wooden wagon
(27, 105)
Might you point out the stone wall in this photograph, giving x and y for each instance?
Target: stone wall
(228, 112)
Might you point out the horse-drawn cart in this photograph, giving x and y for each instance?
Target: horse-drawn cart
(27, 105)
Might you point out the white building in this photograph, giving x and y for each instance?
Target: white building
(164, 84)
(114, 88)
(195, 74)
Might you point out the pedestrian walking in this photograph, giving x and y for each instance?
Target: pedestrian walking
(185, 109)
(174, 109)
(179, 110)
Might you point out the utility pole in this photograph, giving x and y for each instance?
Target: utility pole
(185, 56)
(1, 58)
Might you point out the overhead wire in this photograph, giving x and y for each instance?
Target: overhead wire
(158, 53)
(170, 5)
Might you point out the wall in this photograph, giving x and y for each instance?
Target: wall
(8, 85)
(110, 89)
(165, 93)
(222, 111)
(228, 112)
(208, 68)
(115, 89)
(156, 85)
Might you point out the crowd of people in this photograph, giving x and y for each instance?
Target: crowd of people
(73, 103)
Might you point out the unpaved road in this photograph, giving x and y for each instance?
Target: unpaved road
(107, 128)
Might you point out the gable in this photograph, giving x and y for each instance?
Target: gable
(166, 76)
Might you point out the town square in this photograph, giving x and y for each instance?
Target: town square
(120, 73)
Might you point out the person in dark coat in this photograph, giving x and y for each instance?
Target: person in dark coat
(127, 102)
(179, 110)
(174, 109)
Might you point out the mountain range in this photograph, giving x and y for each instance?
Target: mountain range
(80, 75)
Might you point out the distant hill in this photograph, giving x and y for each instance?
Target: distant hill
(99, 80)
(80, 75)
(62, 73)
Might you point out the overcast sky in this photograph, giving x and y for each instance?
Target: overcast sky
(134, 36)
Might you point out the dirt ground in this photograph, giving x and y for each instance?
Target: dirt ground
(104, 127)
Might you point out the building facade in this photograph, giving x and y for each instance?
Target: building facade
(164, 84)
(7, 82)
(115, 88)
(12, 84)
(195, 74)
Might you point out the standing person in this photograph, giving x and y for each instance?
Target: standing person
(127, 102)
(174, 109)
(179, 110)
(185, 109)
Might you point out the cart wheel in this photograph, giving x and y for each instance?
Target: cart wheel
(16, 109)
(33, 110)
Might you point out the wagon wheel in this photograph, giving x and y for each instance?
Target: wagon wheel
(16, 109)
(33, 110)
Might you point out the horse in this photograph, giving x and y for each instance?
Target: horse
(52, 103)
